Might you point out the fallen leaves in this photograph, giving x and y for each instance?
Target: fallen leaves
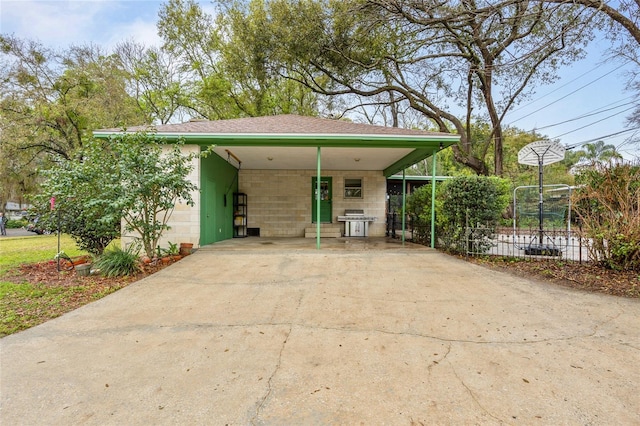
(584, 276)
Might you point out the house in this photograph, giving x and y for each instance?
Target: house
(16, 211)
(275, 162)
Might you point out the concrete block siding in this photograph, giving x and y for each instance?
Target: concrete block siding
(280, 203)
(185, 219)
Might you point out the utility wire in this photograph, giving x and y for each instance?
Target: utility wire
(555, 90)
(589, 114)
(610, 135)
(591, 124)
(568, 94)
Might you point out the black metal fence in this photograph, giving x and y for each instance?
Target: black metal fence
(530, 243)
(527, 243)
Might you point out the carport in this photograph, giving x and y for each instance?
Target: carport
(295, 143)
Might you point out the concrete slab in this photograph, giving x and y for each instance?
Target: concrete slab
(260, 331)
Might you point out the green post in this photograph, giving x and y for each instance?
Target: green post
(433, 199)
(318, 204)
(404, 203)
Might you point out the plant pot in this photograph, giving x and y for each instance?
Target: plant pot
(83, 270)
(186, 248)
(165, 260)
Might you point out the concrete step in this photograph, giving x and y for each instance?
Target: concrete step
(323, 235)
(326, 231)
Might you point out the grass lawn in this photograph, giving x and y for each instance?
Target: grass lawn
(26, 301)
(37, 248)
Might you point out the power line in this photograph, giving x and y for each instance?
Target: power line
(569, 94)
(590, 113)
(591, 124)
(610, 135)
(555, 90)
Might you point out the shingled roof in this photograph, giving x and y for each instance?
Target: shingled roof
(295, 140)
(280, 125)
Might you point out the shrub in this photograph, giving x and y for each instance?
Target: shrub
(16, 224)
(471, 203)
(419, 210)
(85, 205)
(419, 203)
(607, 203)
(117, 262)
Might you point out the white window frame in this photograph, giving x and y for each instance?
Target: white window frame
(353, 191)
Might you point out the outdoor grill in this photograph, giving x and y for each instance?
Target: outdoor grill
(356, 224)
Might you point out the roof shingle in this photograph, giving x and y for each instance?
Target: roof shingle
(280, 125)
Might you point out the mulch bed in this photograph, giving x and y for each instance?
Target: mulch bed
(46, 273)
(582, 276)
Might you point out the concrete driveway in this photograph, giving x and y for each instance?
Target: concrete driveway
(274, 332)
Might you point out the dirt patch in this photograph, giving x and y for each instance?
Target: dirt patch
(582, 276)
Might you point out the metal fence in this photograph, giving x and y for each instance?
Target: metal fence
(560, 244)
(527, 243)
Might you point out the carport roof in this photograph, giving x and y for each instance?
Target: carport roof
(292, 139)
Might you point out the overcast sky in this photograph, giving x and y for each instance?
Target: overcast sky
(598, 86)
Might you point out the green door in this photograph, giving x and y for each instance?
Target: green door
(326, 191)
(208, 222)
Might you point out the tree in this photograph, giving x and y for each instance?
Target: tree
(624, 13)
(598, 152)
(51, 101)
(444, 60)
(84, 198)
(623, 30)
(128, 179)
(18, 176)
(154, 80)
(153, 181)
(224, 61)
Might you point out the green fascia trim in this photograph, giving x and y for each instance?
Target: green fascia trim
(306, 140)
(413, 158)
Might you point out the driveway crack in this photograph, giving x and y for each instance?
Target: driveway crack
(267, 394)
(474, 397)
(263, 400)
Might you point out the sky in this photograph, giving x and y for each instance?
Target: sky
(589, 99)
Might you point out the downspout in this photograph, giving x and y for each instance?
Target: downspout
(318, 203)
(404, 203)
(433, 199)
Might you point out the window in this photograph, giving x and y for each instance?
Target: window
(353, 188)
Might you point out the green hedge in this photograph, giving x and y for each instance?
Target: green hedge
(16, 224)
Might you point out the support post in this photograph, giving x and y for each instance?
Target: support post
(404, 204)
(59, 232)
(540, 200)
(318, 196)
(433, 199)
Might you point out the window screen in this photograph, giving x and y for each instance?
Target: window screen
(353, 188)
